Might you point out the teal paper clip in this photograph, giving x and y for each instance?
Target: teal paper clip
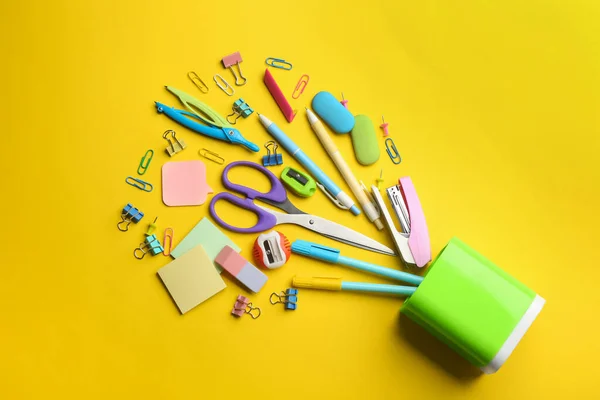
(138, 183)
(392, 151)
(278, 63)
(145, 163)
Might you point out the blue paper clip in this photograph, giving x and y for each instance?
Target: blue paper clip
(288, 299)
(272, 157)
(278, 63)
(138, 183)
(392, 151)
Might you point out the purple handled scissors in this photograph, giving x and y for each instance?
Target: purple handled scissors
(277, 197)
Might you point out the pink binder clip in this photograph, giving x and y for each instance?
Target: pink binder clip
(244, 306)
(232, 60)
(413, 242)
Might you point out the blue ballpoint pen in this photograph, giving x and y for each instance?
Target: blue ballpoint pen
(216, 126)
(332, 255)
(331, 189)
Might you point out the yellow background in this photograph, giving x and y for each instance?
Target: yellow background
(494, 108)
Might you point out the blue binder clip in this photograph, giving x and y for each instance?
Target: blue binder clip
(272, 157)
(240, 109)
(288, 299)
(128, 215)
(150, 245)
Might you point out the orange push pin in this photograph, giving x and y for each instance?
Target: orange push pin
(384, 126)
(344, 101)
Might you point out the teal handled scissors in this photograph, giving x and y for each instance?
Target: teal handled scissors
(216, 126)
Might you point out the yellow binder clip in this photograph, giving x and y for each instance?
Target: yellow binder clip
(175, 145)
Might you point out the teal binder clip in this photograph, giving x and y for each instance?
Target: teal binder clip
(150, 245)
(240, 109)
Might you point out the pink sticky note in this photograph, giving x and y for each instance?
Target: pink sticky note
(184, 183)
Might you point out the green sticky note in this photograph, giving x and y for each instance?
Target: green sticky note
(209, 236)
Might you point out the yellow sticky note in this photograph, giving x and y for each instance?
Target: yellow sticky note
(191, 279)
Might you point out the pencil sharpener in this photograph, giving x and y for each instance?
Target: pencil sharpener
(299, 183)
(271, 250)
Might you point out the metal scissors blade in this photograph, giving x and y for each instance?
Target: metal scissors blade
(331, 230)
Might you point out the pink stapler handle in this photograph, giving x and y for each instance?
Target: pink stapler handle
(418, 240)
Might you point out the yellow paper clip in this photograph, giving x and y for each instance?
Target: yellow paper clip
(138, 183)
(145, 163)
(278, 63)
(212, 156)
(198, 82)
(300, 86)
(168, 235)
(223, 85)
(175, 145)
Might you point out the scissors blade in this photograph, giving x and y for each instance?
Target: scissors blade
(331, 230)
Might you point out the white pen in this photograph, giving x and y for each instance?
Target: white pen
(369, 208)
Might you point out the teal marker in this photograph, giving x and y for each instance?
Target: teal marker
(332, 255)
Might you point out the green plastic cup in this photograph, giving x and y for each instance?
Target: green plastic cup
(473, 306)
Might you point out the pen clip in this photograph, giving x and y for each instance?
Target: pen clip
(331, 196)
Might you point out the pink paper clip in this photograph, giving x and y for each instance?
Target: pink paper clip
(384, 126)
(279, 97)
(232, 60)
(244, 306)
(300, 86)
(168, 237)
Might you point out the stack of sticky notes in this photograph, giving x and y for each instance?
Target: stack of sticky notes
(191, 279)
(205, 233)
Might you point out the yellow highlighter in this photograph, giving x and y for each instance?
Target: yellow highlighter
(370, 209)
(336, 284)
